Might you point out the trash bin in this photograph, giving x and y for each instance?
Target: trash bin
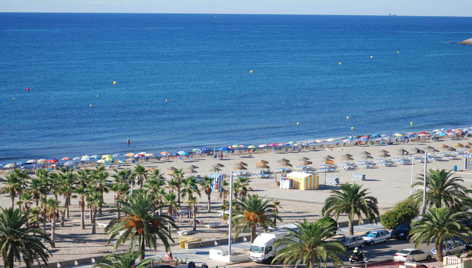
(455, 168)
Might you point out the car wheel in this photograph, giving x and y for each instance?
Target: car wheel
(429, 258)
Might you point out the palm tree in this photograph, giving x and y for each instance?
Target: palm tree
(121, 186)
(37, 189)
(21, 241)
(352, 200)
(253, 211)
(241, 187)
(442, 189)
(308, 245)
(438, 225)
(190, 190)
(206, 187)
(170, 200)
(15, 184)
(100, 176)
(140, 175)
(94, 201)
(67, 181)
(83, 180)
(177, 176)
(51, 206)
(142, 224)
(125, 260)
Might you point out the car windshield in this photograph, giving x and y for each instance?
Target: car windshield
(371, 234)
(256, 249)
(404, 252)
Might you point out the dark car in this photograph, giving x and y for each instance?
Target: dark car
(401, 232)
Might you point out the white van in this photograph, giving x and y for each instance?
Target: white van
(262, 249)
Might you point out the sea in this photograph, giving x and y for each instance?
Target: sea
(75, 84)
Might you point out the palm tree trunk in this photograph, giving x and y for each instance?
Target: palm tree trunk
(94, 225)
(82, 212)
(67, 207)
(53, 230)
(100, 205)
(209, 203)
(253, 232)
(12, 198)
(178, 196)
(143, 248)
(439, 250)
(63, 218)
(118, 210)
(194, 217)
(351, 226)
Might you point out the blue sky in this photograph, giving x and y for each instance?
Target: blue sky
(342, 7)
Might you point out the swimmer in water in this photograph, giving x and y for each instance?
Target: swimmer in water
(129, 141)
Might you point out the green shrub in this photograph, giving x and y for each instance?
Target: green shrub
(403, 212)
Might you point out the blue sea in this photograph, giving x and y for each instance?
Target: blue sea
(185, 81)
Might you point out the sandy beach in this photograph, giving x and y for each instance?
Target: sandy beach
(388, 184)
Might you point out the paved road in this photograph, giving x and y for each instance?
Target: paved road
(375, 253)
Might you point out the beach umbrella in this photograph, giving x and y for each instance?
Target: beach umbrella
(77, 158)
(182, 153)
(419, 151)
(66, 158)
(239, 166)
(384, 153)
(10, 165)
(251, 147)
(459, 145)
(85, 158)
(68, 163)
(262, 164)
(164, 153)
(285, 162)
(191, 170)
(328, 157)
(216, 168)
(31, 161)
(307, 163)
(398, 135)
(42, 161)
(171, 170)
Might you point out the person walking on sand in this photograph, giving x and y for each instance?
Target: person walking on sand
(129, 141)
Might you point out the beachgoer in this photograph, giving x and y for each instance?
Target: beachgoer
(129, 141)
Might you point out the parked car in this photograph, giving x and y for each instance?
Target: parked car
(401, 232)
(352, 241)
(377, 236)
(451, 247)
(411, 254)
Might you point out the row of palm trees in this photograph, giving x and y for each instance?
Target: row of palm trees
(47, 196)
(142, 197)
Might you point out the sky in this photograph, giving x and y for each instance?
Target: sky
(331, 7)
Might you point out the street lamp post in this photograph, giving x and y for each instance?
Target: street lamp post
(230, 215)
(412, 175)
(423, 209)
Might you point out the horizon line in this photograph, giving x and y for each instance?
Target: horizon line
(222, 13)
